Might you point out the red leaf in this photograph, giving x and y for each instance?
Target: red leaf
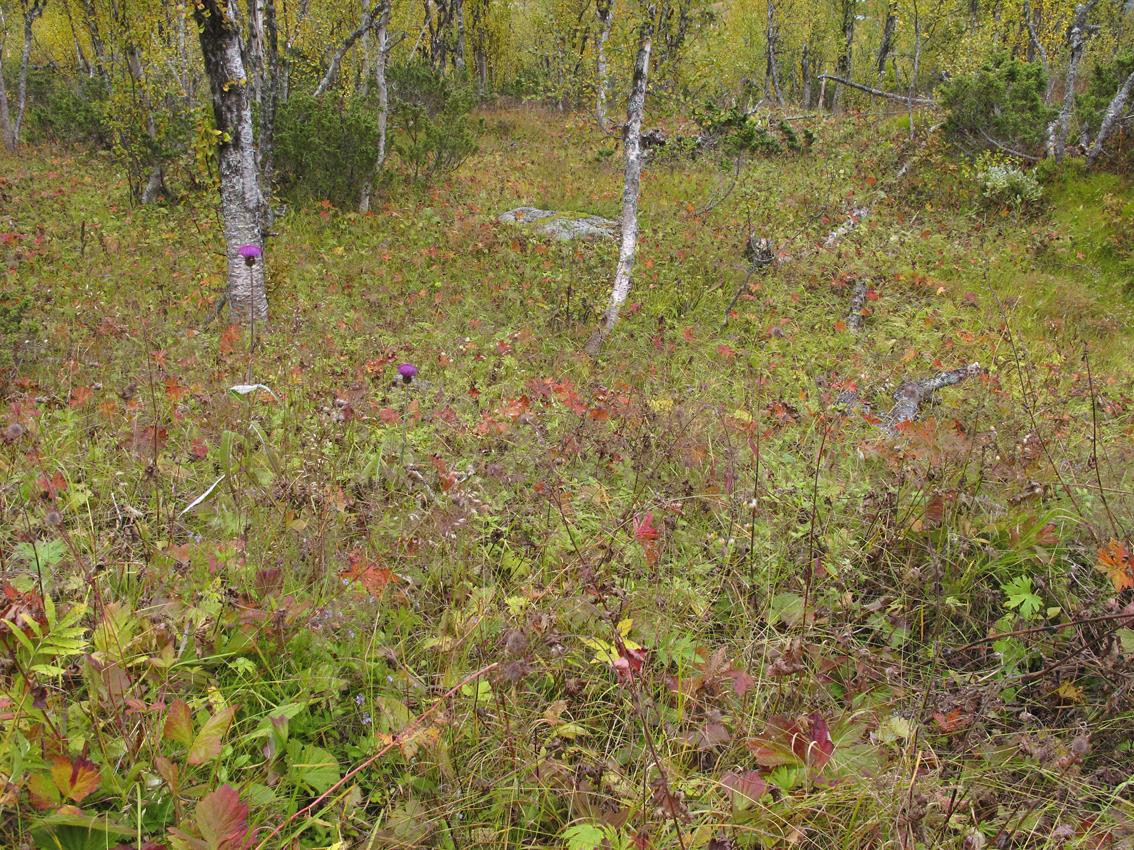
(749, 785)
(644, 530)
(222, 818)
(179, 724)
(75, 779)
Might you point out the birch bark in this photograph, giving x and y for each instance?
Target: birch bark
(631, 185)
(242, 202)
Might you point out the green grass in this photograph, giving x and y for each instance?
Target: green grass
(370, 545)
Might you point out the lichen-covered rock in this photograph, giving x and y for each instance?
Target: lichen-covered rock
(562, 226)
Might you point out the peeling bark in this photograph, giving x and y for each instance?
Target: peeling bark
(911, 395)
(1111, 118)
(242, 202)
(5, 116)
(631, 185)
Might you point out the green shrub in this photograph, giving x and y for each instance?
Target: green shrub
(60, 110)
(734, 131)
(1002, 103)
(1105, 79)
(1002, 184)
(432, 131)
(325, 148)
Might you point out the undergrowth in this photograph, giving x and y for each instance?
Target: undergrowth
(678, 597)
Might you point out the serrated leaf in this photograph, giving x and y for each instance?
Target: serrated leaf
(583, 836)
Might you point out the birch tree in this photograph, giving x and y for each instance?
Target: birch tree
(1111, 117)
(631, 184)
(604, 10)
(1060, 127)
(30, 11)
(242, 202)
(382, 35)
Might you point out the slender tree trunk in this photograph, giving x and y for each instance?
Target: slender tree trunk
(772, 68)
(631, 186)
(916, 66)
(367, 57)
(1036, 47)
(845, 61)
(5, 115)
(367, 24)
(156, 180)
(887, 41)
(459, 53)
(1077, 33)
(32, 11)
(1111, 118)
(604, 9)
(270, 95)
(242, 202)
(805, 73)
(383, 105)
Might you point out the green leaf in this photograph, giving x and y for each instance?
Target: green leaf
(313, 766)
(583, 836)
(207, 745)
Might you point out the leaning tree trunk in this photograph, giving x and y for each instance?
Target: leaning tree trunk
(631, 185)
(1060, 128)
(1111, 118)
(242, 202)
(605, 11)
(383, 105)
(31, 12)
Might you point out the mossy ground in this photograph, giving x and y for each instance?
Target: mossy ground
(787, 566)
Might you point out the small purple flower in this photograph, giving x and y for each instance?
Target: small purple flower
(250, 253)
(408, 372)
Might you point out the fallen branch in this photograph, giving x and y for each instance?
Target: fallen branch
(836, 235)
(855, 317)
(911, 395)
(900, 98)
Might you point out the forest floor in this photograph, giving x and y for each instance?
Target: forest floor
(675, 597)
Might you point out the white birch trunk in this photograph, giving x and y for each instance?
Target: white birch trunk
(31, 12)
(383, 105)
(368, 22)
(605, 11)
(459, 58)
(1111, 118)
(631, 186)
(1060, 128)
(242, 202)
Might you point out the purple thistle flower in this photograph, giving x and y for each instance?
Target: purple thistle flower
(408, 372)
(250, 253)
